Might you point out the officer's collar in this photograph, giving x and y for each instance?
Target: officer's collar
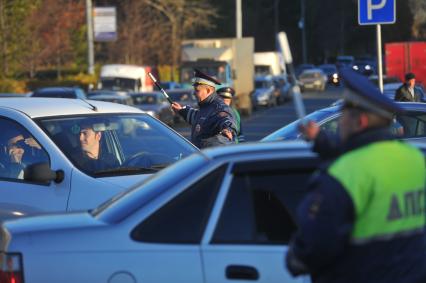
(207, 100)
(366, 137)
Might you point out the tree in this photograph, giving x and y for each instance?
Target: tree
(418, 8)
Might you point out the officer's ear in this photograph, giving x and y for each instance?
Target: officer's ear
(363, 120)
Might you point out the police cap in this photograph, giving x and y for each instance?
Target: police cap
(226, 92)
(201, 78)
(361, 93)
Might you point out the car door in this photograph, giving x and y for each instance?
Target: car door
(166, 243)
(19, 196)
(253, 222)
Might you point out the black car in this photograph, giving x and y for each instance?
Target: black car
(60, 92)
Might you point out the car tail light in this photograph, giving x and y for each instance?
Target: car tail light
(11, 269)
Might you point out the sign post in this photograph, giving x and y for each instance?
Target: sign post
(377, 12)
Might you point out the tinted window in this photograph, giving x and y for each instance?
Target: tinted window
(260, 207)
(182, 220)
(18, 149)
(413, 125)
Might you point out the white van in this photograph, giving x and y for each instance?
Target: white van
(129, 78)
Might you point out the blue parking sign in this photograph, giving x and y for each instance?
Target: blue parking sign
(373, 12)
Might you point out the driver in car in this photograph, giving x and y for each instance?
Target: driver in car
(15, 149)
(91, 157)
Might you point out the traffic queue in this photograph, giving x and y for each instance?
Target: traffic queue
(348, 207)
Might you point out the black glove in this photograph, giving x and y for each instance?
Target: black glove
(294, 264)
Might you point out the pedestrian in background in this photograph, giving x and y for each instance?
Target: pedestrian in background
(213, 123)
(227, 94)
(364, 220)
(407, 92)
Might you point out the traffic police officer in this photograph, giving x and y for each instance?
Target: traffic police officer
(213, 123)
(363, 220)
(227, 94)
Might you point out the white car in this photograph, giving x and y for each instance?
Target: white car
(222, 215)
(53, 177)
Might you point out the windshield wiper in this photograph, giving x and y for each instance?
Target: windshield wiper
(126, 170)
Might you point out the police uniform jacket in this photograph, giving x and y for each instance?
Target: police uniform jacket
(403, 94)
(208, 122)
(363, 220)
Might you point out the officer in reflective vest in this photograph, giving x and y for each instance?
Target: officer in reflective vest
(364, 218)
(212, 124)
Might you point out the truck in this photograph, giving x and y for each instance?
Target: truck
(130, 78)
(268, 63)
(230, 60)
(404, 57)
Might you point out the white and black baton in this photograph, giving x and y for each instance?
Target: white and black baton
(160, 88)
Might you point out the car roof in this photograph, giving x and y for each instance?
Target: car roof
(36, 107)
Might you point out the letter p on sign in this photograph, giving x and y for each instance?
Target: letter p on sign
(373, 12)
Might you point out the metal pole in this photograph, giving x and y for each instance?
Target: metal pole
(379, 56)
(276, 20)
(302, 8)
(239, 19)
(90, 45)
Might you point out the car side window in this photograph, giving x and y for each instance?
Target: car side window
(412, 126)
(183, 219)
(18, 150)
(260, 207)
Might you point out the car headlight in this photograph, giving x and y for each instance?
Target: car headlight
(355, 67)
(335, 76)
(367, 67)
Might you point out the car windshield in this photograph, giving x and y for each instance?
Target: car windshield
(291, 132)
(218, 72)
(144, 99)
(310, 75)
(116, 144)
(118, 84)
(262, 84)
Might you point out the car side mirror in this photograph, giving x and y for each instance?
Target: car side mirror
(41, 173)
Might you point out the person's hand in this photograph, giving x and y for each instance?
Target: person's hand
(227, 133)
(309, 130)
(176, 106)
(32, 142)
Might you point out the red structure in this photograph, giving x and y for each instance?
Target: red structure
(404, 57)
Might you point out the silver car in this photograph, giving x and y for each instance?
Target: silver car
(313, 79)
(53, 177)
(222, 215)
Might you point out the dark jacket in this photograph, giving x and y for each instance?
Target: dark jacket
(208, 122)
(403, 94)
(326, 218)
(105, 161)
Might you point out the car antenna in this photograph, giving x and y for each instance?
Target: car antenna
(94, 108)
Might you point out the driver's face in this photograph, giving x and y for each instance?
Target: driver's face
(14, 149)
(89, 140)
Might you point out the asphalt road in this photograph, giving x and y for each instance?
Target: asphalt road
(264, 121)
